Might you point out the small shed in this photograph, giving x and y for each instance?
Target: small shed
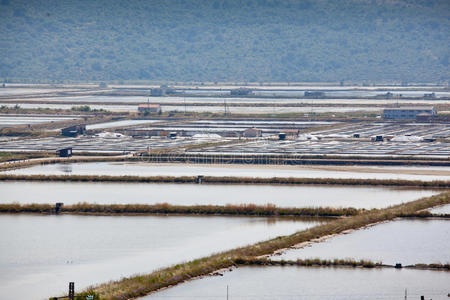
(377, 138)
(73, 131)
(252, 132)
(314, 94)
(65, 152)
(241, 92)
(429, 96)
(157, 92)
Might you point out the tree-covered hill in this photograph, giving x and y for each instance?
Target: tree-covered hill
(226, 40)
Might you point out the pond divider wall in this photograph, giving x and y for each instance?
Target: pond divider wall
(164, 208)
(229, 180)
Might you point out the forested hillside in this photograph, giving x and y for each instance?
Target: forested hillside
(225, 40)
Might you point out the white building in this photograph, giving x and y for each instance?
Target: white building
(155, 108)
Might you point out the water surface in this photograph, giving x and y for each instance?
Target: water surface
(443, 209)
(11, 121)
(254, 283)
(39, 255)
(206, 194)
(402, 241)
(235, 170)
(121, 123)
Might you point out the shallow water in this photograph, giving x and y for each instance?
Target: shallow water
(443, 209)
(119, 123)
(44, 253)
(153, 169)
(205, 194)
(15, 121)
(402, 241)
(25, 91)
(313, 283)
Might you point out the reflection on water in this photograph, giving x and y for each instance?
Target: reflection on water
(402, 241)
(64, 168)
(313, 283)
(44, 253)
(206, 194)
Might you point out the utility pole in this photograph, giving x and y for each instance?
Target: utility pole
(406, 294)
(71, 290)
(227, 291)
(225, 106)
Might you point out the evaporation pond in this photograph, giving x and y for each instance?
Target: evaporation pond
(119, 124)
(206, 194)
(401, 241)
(255, 283)
(443, 209)
(39, 255)
(235, 170)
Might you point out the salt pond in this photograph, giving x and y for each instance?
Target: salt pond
(119, 124)
(11, 121)
(444, 209)
(401, 241)
(191, 194)
(44, 253)
(313, 283)
(235, 170)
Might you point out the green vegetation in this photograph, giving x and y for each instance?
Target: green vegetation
(164, 208)
(225, 40)
(15, 108)
(87, 108)
(141, 285)
(84, 108)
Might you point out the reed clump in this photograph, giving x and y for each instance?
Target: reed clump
(165, 208)
(28, 208)
(435, 266)
(424, 215)
(312, 262)
(141, 285)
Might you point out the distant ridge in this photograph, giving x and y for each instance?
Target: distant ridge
(225, 40)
